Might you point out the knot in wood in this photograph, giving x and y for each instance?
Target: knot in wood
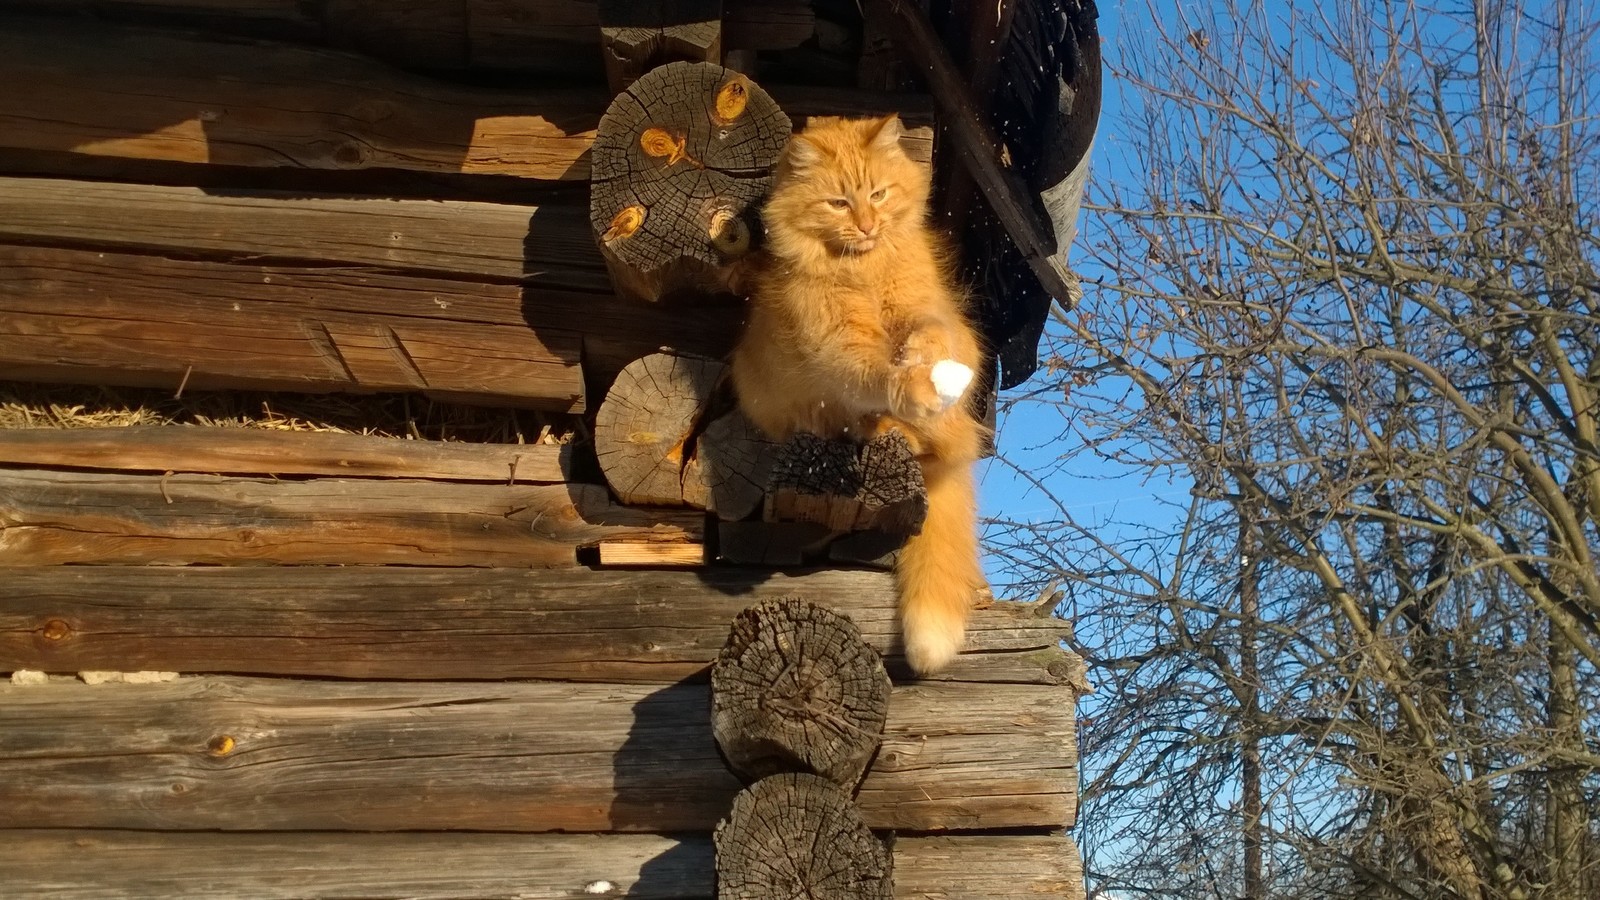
(687, 143)
(796, 688)
(797, 835)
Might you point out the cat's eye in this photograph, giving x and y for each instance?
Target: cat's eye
(879, 194)
(838, 203)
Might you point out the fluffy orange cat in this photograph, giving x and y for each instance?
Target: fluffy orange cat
(855, 327)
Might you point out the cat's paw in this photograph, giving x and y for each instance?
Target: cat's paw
(915, 395)
(950, 381)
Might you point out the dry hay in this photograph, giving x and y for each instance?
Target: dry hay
(28, 405)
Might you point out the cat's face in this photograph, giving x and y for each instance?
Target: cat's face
(845, 186)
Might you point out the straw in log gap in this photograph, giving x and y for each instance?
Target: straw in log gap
(680, 163)
(797, 835)
(796, 688)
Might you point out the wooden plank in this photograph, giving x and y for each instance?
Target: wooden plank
(147, 94)
(544, 37)
(440, 623)
(633, 553)
(615, 331)
(432, 623)
(151, 322)
(151, 95)
(250, 451)
(545, 246)
(60, 518)
(233, 754)
(110, 865)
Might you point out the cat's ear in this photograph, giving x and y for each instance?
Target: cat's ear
(802, 153)
(885, 133)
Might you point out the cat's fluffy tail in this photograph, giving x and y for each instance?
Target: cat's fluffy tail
(938, 571)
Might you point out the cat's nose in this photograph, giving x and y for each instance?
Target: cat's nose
(867, 227)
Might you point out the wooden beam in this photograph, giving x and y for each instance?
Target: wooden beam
(545, 246)
(426, 623)
(977, 146)
(157, 322)
(250, 451)
(111, 865)
(234, 754)
(614, 331)
(61, 518)
(535, 37)
(118, 93)
(147, 94)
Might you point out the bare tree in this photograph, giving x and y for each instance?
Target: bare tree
(1345, 290)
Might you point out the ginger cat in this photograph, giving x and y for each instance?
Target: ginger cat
(855, 327)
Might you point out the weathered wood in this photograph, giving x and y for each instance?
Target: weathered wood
(426, 623)
(977, 146)
(614, 331)
(777, 544)
(236, 754)
(146, 94)
(251, 451)
(680, 162)
(797, 689)
(545, 247)
(638, 35)
(113, 865)
(535, 37)
(655, 445)
(655, 555)
(728, 472)
(59, 518)
(847, 486)
(643, 429)
(107, 326)
(799, 836)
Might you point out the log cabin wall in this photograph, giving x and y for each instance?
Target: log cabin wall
(274, 662)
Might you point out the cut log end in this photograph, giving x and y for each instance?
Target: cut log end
(691, 146)
(848, 487)
(796, 687)
(798, 835)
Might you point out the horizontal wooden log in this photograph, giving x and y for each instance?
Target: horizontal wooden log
(546, 246)
(425, 623)
(152, 95)
(111, 865)
(117, 324)
(61, 518)
(614, 331)
(232, 754)
(251, 451)
(544, 37)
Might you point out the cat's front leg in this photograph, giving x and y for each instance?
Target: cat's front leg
(929, 357)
